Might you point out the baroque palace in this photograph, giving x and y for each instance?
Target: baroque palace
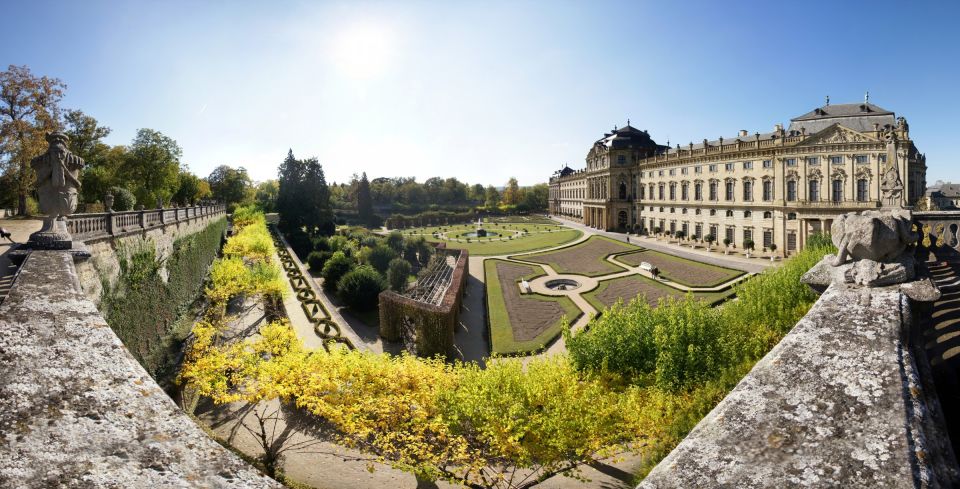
(776, 187)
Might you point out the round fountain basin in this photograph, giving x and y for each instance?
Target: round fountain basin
(562, 284)
(473, 234)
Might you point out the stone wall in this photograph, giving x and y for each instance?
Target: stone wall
(144, 282)
(77, 410)
(841, 401)
(103, 267)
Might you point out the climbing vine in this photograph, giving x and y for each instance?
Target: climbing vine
(143, 308)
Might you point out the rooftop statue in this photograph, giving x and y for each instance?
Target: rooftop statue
(57, 186)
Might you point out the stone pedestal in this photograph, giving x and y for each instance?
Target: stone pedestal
(53, 236)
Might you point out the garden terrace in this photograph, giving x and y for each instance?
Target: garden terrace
(510, 237)
(681, 270)
(584, 258)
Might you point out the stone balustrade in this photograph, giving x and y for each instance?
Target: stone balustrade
(938, 228)
(87, 227)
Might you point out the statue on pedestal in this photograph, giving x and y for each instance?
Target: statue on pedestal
(57, 186)
(891, 186)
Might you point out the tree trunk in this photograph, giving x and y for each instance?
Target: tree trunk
(22, 204)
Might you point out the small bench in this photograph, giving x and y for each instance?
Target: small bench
(524, 287)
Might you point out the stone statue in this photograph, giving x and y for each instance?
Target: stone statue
(57, 186)
(891, 187)
(875, 249)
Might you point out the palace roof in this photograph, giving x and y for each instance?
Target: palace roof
(859, 117)
(627, 137)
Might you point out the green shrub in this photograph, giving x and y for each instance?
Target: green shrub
(379, 257)
(370, 241)
(316, 260)
(123, 199)
(321, 243)
(395, 241)
(397, 274)
(336, 267)
(300, 243)
(684, 342)
(360, 287)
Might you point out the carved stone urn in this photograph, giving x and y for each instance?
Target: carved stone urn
(57, 187)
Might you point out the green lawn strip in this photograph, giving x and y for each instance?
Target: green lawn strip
(529, 242)
(712, 298)
(731, 273)
(611, 267)
(501, 330)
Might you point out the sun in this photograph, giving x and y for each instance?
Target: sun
(364, 50)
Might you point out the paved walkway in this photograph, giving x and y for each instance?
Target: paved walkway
(753, 265)
(20, 229)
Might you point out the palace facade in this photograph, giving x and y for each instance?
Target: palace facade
(777, 187)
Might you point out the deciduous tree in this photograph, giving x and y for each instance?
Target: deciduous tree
(29, 109)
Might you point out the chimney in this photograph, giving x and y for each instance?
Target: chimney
(777, 127)
(743, 132)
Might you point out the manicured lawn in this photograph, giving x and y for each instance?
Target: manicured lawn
(584, 258)
(522, 323)
(681, 270)
(631, 286)
(511, 237)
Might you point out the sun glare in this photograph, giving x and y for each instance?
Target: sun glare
(363, 50)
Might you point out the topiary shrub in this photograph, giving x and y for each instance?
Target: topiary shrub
(397, 274)
(379, 257)
(360, 288)
(370, 241)
(336, 267)
(123, 199)
(321, 243)
(316, 260)
(300, 243)
(395, 241)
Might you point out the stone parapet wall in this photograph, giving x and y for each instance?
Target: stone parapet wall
(839, 402)
(103, 267)
(77, 410)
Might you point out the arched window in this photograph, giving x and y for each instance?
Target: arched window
(767, 215)
(747, 214)
(729, 213)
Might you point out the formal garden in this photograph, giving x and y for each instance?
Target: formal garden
(499, 235)
(526, 315)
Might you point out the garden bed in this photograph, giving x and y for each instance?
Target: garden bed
(522, 323)
(585, 258)
(681, 270)
(635, 286)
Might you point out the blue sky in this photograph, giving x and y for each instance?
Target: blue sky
(482, 90)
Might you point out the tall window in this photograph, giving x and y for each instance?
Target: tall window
(673, 191)
(790, 162)
(768, 190)
(730, 232)
(862, 192)
(623, 191)
(729, 193)
(661, 191)
(792, 190)
(837, 190)
(813, 160)
(652, 194)
(747, 190)
(768, 163)
(713, 190)
(641, 192)
(698, 191)
(814, 191)
(684, 191)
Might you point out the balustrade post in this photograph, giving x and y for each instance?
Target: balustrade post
(108, 203)
(142, 218)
